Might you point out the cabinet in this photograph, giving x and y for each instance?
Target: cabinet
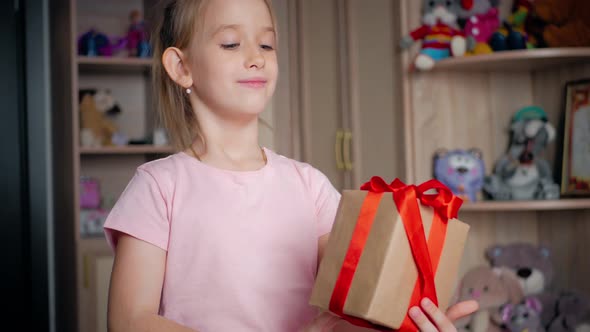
(468, 102)
(349, 88)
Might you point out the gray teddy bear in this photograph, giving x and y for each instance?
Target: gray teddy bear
(521, 174)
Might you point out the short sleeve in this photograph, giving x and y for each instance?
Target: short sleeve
(326, 199)
(140, 211)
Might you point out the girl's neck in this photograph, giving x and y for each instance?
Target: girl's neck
(230, 144)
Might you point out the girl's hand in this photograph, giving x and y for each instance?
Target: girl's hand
(440, 321)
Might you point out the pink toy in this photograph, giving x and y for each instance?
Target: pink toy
(483, 26)
(89, 193)
(137, 35)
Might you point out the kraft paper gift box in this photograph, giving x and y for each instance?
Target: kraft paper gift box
(371, 273)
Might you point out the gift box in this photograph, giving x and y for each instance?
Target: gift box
(391, 245)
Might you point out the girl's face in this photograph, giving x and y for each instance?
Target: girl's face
(234, 63)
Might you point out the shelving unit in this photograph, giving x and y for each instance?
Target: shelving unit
(113, 64)
(521, 60)
(520, 206)
(468, 102)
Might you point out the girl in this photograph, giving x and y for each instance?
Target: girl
(224, 235)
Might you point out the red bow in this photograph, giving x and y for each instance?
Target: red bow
(426, 253)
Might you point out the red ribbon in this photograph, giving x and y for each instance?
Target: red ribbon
(426, 253)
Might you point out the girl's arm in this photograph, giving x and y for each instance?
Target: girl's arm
(136, 287)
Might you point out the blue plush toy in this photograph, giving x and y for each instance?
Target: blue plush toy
(463, 171)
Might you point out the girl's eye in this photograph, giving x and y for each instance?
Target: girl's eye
(229, 46)
(449, 3)
(267, 47)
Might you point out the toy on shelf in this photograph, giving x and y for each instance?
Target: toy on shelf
(531, 263)
(522, 174)
(97, 128)
(513, 35)
(96, 43)
(463, 171)
(566, 311)
(440, 34)
(482, 19)
(523, 317)
(492, 288)
(137, 36)
(561, 23)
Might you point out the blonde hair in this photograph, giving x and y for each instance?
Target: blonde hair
(175, 28)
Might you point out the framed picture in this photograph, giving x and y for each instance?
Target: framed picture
(575, 174)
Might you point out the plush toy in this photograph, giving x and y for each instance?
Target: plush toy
(522, 174)
(523, 317)
(440, 34)
(531, 264)
(95, 43)
(482, 19)
(561, 23)
(566, 311)
(492, 288)
(513, 34)
(137, 36)
(462, 171)
(97, 129)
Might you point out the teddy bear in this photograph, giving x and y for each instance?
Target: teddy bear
(492, 288)
(523, 317)
(482, 19)
(440, 34)
(560, 23)
(522, 173)
(463, 171)
(532, 264)
(97, 129)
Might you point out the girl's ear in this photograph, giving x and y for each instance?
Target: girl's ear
(174, 62)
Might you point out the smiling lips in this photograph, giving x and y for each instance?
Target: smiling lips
(254, 83)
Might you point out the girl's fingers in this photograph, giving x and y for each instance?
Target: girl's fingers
(443, 323)
(462, 309)
(420, 318)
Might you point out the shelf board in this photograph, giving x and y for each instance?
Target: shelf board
(535, 59)
(538, 205)
(113, 64)
(130, 149)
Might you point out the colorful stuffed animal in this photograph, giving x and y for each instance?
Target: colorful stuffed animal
(492, 288)
(440, 34)
(523, 317)
(482, 19)
(460, 170)
(137, 36)
(513, 35)
(522, 174)
(532, 264)
(96, 43)
(561, 23)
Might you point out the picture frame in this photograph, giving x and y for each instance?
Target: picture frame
(575, 170)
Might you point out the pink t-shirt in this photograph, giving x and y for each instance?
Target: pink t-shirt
(241, 246)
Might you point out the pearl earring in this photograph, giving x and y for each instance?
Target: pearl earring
(189, 91)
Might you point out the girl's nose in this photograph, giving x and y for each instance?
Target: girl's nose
(254, 57)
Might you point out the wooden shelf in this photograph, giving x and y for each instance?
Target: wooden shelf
(539, 205)
(113, 64)
(520, 60)
(130, 149)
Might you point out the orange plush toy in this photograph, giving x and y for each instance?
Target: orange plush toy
(567, 22)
